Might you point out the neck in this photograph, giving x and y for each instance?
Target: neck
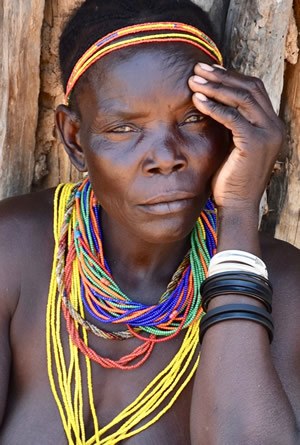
(141, 269)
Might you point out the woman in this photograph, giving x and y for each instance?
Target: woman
(160, 127)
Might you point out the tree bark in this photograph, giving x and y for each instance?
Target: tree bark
(289, 223)
(20, 30)
(52, 165)
(255, 37)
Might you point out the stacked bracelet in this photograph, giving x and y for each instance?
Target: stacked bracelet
(237, 312)
(238, 273)
(238, 283)
(237, 260)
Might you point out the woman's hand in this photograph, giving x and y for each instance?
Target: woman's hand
(241, 104)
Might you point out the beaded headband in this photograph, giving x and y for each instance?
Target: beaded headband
(137, 35)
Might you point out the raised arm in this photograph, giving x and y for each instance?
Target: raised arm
(238, 396)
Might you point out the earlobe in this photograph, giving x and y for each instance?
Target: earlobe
(68, 126)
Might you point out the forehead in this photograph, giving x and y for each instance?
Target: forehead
(143, 73)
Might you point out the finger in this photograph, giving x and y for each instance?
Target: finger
(232, 78)
(238, 98)
(230, 117)
(239, 80)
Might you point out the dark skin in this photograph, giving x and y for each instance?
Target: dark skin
(244, 392)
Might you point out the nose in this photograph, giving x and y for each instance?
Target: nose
(164, 158)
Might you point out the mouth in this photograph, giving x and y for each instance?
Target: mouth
(169, 197)
(172, 202)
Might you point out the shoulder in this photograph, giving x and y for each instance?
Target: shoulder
(24, 222)
(283, 262)
(23, 217)
(25, 208)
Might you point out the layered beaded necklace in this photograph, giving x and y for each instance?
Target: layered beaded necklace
(83, 283)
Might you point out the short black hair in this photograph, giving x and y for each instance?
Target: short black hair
(96, 18)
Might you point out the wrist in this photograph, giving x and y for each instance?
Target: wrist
(233, 299)
(238, 229)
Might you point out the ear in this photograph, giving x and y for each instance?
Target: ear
(68, 126)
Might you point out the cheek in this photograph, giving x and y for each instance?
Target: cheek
(110, 179)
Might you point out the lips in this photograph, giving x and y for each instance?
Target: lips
(172, 202)
(169, 197)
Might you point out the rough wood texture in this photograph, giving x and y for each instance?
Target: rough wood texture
(52, 165)
(20, 30)
(289, 223)
(255, 38)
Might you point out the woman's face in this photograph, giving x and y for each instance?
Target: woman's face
(150, 154)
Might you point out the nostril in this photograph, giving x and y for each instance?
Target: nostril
(154, 170)
(179, 165)
(165, 169)
(163, 160)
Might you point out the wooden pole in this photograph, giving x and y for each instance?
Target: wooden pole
(20, 30)
(289, 223)
(52, 165)
(255, 39)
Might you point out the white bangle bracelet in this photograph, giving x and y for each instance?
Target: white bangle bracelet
(237, 260)
(235, 267)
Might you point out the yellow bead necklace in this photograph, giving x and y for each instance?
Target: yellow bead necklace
(65, 375)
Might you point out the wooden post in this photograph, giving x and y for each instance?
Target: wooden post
(255, 38)
(20, 30)
(52, 165)
(289, 223)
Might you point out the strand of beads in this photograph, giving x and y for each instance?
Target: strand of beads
(105, 300)
(177, 309)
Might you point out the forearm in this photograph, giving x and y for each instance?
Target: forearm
(238, 397)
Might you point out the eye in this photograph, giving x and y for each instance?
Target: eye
(124, 129)
(193, 118)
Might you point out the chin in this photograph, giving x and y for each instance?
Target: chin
(165, 231)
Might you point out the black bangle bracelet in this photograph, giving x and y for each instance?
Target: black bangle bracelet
(237, 312)
(240, 283)
(245, 276)
(236, 290)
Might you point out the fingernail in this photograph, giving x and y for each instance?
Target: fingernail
(199, 79)
(206, 67)
(201, 97)
(220, 67)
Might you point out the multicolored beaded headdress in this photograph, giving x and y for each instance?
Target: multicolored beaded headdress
(157, 32)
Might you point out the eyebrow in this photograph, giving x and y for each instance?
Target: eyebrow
(110, 109)
(126, 113)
